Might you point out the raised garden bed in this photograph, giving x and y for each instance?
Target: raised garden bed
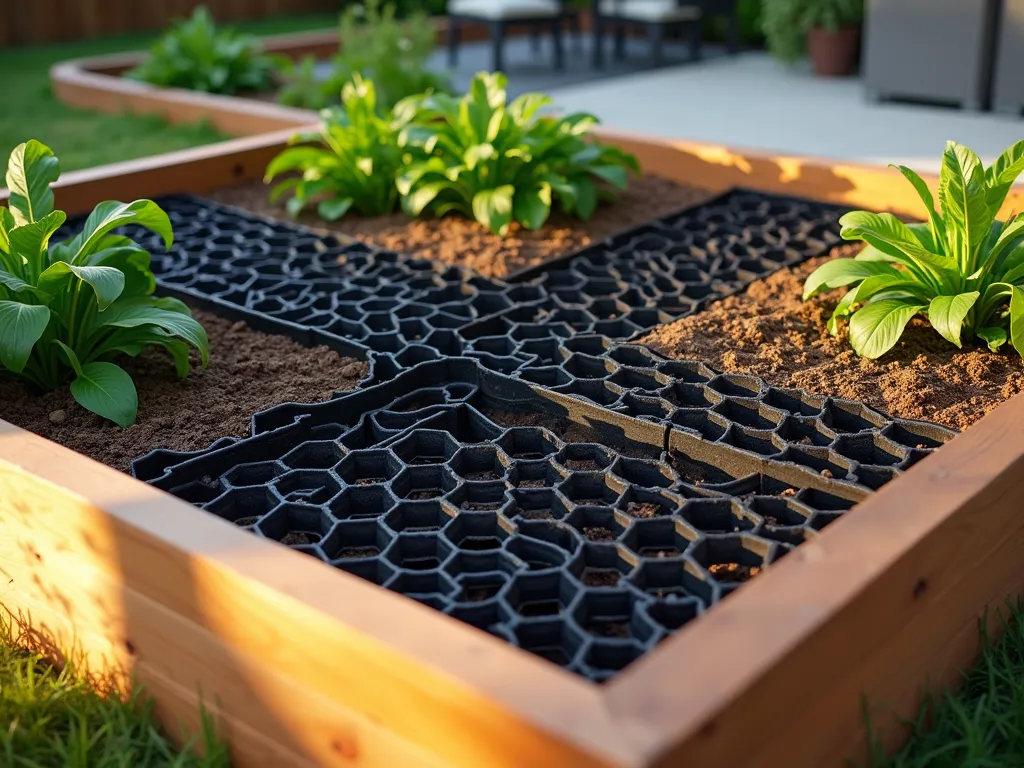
(512, 461)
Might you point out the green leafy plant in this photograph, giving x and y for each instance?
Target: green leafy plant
(351, 163)
(501, 162)
(963, 269)
(377, 45)
(196, 55)
(68, 309)
(785, 22)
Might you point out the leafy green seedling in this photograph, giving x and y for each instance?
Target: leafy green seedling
(963, 269)
(67, 310)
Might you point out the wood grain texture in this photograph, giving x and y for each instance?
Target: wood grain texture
(883, 605)
(256, 627)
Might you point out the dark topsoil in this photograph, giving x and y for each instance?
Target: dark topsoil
(770, 332)
(248, 372)
(456, 240)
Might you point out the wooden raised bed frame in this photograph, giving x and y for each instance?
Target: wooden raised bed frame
(305, 665)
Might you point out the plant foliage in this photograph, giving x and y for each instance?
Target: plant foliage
(350, 164)
(785, 22)
(67, 310)
(377, 45)
(196, 55)
(963, 269)
(501, 162)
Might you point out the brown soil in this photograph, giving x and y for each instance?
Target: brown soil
(601, 577)
(644, 510)
(484, 474)
(426, 493)
(298, 538)
(733, 572)
(353, 553)
(582, 465)
(769, 332)
(598, 533)
(618, 629)
(248, 372)
(456, 240)
(245, 522)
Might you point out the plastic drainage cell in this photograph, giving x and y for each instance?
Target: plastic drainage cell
(320, 289)
(554, 523)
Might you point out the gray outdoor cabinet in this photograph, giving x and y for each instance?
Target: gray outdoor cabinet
(1008, 90)
(932, 50)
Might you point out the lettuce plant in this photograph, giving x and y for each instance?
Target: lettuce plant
(501, 162)
(963, 269)
(196, 55)
(350, 164)
(67, 310)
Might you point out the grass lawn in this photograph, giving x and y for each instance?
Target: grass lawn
(982, 726)
(53, 719)
(82, 139)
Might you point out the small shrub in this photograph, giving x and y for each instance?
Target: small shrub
(785, 22)
(963, 269)
(499, 162)
(350, 164)
(378, 46)
(67, 310)
(196, 55)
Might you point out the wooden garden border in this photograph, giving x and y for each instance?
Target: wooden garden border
(306, 665)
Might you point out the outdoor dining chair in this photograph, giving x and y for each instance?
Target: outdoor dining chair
(498, 15)
(658, 16)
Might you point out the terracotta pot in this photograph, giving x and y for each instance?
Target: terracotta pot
(834, 54)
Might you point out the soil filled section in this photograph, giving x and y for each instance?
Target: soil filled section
(456, 240)
(248, 372)
(770, 332)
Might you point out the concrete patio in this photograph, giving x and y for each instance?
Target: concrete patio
(752, 102)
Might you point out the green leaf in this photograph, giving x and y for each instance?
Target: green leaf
(107, 282)
(70, 355)
(30, 241)
(614, 174)
(21, 326)
(477, 154)
(947, 314)
(421, 196)
(111, 214)
(132, 313)
(1002, 175)
(1017, 319)
(17, 285)
(108, 390)
(493, 208)
(586, 197)
(133, 262)
(840, 272)
(994, 337)
(937, 227)
(876, 327)
(332, 210)
(531, 207)
(962, 193)
(526, 106)
(893, 238)
(31, 170)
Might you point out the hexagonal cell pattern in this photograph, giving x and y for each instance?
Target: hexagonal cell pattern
(576, 550)
(524, 494)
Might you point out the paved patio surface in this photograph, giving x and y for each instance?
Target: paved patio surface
(750, 101)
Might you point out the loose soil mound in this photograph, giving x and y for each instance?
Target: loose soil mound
(248, 372)
(769, 332)
(456, 240)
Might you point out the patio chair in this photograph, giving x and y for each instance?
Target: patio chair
(658, 16)
(499, 14)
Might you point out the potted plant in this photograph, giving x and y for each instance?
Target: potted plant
(826, 30)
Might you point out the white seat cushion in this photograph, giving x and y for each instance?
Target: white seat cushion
(665, 11)
(504, 9)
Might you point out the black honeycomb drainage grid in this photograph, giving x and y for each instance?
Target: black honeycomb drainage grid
(578, 496)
